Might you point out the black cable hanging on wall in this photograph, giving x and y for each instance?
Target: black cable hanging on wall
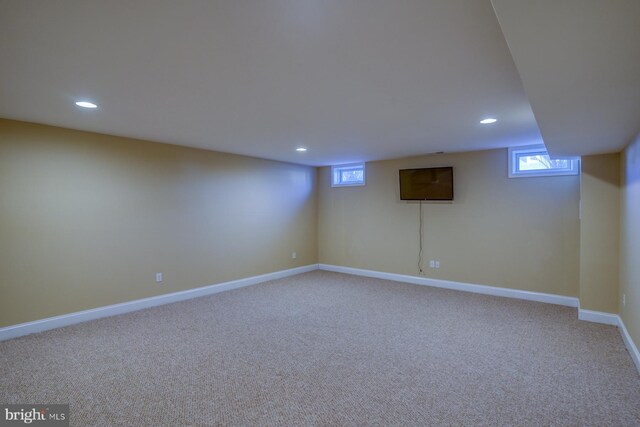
(420, 231)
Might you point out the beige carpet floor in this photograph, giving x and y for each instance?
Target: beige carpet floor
(330, 349)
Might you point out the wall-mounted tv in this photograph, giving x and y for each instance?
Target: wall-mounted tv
(426, 184)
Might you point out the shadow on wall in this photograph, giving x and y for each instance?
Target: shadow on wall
(597, 171)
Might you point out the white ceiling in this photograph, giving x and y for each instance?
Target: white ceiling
(348, 79)
(579, 61)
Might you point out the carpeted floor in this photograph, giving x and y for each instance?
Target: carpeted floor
(330, 349)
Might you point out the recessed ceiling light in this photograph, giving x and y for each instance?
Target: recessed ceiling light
(488, 121)
(301, 149)
(85, 104)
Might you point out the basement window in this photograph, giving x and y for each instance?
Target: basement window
(535, 161)
(348, 175)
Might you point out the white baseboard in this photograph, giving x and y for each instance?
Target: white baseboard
(615, 320)
(598, 317)
(586, 315)
(458, 286)
(22, 329)
(126, 307)
(631, 346)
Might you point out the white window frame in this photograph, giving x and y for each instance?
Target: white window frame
(516, 152)
(336, 173)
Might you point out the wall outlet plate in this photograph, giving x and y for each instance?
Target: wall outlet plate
(158, 277)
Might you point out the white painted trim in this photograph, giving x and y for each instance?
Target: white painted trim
(458, 286)
(539, 149)
(22, 329)
(14, 331)
(631, 346)
(345, 166)
(615, 320)
(586, 315)
(598, 317)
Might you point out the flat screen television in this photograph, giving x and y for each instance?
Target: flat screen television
(426, 184)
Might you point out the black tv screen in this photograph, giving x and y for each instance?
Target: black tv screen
(426, 184)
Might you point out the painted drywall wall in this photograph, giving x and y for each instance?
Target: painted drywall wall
(630, 239)
(520, 233)
(86, 220)
(600, 233)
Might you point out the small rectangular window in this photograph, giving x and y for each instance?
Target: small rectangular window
(347, 175)
(535, 161)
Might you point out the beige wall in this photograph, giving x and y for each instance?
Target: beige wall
(630, 239)
(86, 220)
(599, 232)
(521, 233)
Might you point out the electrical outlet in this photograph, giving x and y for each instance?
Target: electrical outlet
(437, 264)
(158, 277)
(294, 255)
(624, 299)
(432, 264)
